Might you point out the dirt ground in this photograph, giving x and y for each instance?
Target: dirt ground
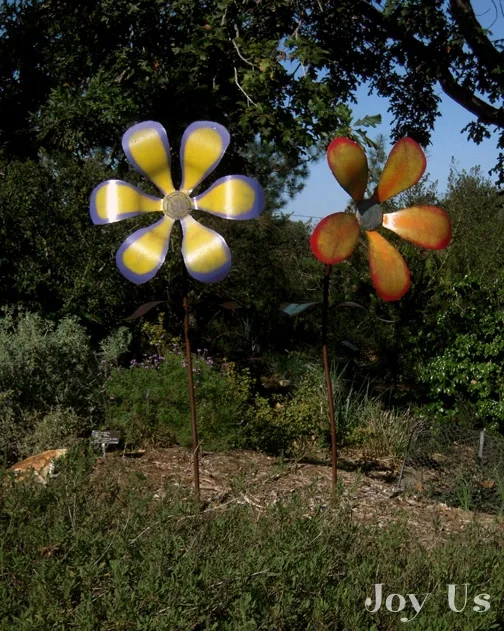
(367, 488)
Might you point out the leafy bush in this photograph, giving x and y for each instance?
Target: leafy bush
(292, 422)
(58, 427)
(10, 434)
(460, 354)
(50, 382)
(115, 345)
(43, 364)
(298, 422)
(63, 264)
(149, 401)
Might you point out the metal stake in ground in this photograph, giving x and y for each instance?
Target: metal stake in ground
(190, 385)
(327, 372)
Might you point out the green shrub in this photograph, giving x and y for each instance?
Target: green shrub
(50, 381)
(23, 433)
(149, 401)
(11, 434)
(293, 422)
(459, 357)
(43, 364)
(114, 346)
(298, 422)
(57, 428)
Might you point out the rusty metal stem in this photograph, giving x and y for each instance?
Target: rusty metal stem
(327, 372)
(190, 384)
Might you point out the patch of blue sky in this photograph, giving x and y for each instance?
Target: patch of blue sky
(449, 148)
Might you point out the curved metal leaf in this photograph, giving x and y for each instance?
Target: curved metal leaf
(145, 309)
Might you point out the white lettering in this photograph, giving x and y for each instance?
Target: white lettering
(452, 589)
(378, 598)
(481, 603)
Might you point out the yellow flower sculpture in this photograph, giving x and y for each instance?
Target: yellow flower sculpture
(206, 254)
(336, 236)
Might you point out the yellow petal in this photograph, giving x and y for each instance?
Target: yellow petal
(335, 238)
(427, 226)
(405, 166)
(143, 252)
(148, 150)
(348, 163)
(206, 254)
(114, 200)
(232, 197)
(203, 146)
(389, 271)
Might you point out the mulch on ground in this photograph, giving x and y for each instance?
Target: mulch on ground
(367, 489)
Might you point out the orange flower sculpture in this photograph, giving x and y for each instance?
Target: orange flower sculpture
(335, 237)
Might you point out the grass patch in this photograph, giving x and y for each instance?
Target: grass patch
(87, 553)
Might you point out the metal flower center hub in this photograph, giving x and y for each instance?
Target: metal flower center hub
(369, 214)
(177, 205)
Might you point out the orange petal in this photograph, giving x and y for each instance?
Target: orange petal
(348, 163)
(335, 238)
(427, 226)
(405, 166)
(389, 271)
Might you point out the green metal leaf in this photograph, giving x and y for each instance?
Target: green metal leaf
(293, 308)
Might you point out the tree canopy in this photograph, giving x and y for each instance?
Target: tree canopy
(93, 68)
(406, 50)
(73, 76)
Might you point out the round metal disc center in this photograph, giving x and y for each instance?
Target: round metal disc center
(369, 214)
(177, 205)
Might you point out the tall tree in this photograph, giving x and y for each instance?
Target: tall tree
(74, 75)
(410, 49)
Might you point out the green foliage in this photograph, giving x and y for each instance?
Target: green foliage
(149, 400)
(50, 383)
(463, 376)
(298, 422)
(290, 423)
(115, 345)
(58, 427)
(64, 264)
(442, 346)
(281, 71)
(87, 553)
(475, 208)
(272, 263)
(43, 364)
(181, 61)
(10, 439)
